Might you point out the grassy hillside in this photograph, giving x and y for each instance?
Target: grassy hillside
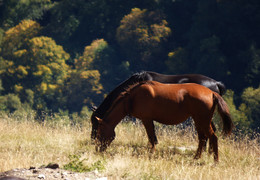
(26, 143)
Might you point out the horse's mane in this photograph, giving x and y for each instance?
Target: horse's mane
(142, 76)
(109, 99)
(131, 87)
(124, 94)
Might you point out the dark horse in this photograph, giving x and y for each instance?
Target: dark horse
(168, 104)
(212, 84)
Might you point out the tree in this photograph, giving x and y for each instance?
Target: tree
(253, 67)
(251, 102)
(211, 61)
(177, 62)
(238, 115)
(16, 38)
(83, 88)
(47, 65)
(141, 34)
(100, 56)
(33, 62)
(83, 21)
(10, 102)
(13, 11)
(14, 47)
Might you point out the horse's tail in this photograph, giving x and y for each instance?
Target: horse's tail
(224, 113)
(221, 87)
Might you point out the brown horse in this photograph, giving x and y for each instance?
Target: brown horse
(168, 104)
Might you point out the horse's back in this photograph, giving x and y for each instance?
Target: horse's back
(184, 93)
(208, 82)
(170, 103)
(191, 89)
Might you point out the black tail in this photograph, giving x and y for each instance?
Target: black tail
(224, 113)
(222, 88)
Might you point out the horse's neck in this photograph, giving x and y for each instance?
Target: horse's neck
(116, 114)
(106, 104)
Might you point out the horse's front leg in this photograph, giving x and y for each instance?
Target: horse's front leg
(149, 127)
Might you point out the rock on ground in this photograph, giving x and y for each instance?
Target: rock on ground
(49, 173)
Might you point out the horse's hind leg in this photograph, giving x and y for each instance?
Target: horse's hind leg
(205, 131)
(202, 144)
(210, 142)
(149, 127)
(214, 141)
(210, 149)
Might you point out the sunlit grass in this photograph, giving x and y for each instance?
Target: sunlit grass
(26, 143)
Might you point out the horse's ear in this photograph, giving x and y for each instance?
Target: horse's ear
(93, 108)
(99, 120)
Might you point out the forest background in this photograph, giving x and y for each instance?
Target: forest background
(62, 56)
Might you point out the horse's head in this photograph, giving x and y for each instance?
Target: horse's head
(105, 135)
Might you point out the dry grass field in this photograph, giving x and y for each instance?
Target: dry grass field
(25, 143)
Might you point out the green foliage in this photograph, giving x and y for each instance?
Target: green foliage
(23, 113)
(211, 58)
(93, 55)
(141, 34)
(1, 36)
(16, 38)
(177, 61)
(10, 102)
(251, 105)
(29, 97)
(13, 11)
(238, 115)
(85, 112)
(35, 63)
(77, 164)
(1, 86)
(253, 67)
(81, 86)
(49, 63)
(100, 56)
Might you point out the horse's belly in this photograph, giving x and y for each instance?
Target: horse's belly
(164, 107)
(164, 116)
(171, 120)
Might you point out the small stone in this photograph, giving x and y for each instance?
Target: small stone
(35, 171)
(64, 173)
(53, 166)
(41, 176)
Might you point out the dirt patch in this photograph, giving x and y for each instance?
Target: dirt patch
(49, 173)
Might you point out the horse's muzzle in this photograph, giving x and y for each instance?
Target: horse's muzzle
(100, 146)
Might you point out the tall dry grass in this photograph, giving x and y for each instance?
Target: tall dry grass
(25, 143)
